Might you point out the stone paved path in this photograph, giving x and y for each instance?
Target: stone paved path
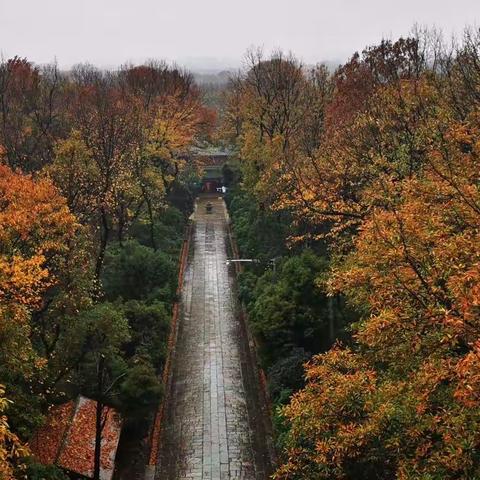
(210, 427)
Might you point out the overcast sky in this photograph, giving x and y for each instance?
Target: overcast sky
(213, 33)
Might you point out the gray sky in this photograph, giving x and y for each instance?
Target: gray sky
(213, 33)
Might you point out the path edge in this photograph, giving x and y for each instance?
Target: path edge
(252, 349)
(156, 430)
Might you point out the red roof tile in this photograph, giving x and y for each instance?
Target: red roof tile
(71, 443)
(46, 442)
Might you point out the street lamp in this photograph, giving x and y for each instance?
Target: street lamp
(241, 260)
(272, 261)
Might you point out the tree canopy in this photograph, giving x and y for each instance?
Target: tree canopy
(377, 162)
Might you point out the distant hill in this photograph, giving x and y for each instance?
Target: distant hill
(219, 78)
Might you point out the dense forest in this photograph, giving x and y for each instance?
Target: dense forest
(96, 183)
(357, 193)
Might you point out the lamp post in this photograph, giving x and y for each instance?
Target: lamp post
(272, 261)
(241, 260)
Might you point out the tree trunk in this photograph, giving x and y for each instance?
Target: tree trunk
(98, 421)
(331, 320)
(152, 226)
(104, 235)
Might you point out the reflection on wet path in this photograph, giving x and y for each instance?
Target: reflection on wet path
(207, 432)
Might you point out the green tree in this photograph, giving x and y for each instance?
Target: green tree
(135, 272)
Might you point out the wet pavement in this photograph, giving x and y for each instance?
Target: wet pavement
(211, 429)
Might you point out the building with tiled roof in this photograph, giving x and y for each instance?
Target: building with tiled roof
(67, 439)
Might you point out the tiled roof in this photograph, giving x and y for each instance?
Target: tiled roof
(68, 438)
(47, 441)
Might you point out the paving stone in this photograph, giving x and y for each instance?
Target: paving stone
(207, 432)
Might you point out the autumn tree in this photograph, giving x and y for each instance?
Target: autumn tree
(32, 113)
(85, 156)
(313, 133)
(41, 281)
(401, 402)
(177, 121)
(108, 123)
(275, 109)
(133, 131)
(11, 448)
(418, 362)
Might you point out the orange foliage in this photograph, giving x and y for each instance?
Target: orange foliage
(11, 449)
(77, 454)
(68, 437)
(406, 404)
(392, 185)
(35, 226)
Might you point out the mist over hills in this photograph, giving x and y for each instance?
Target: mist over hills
(220, 77)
